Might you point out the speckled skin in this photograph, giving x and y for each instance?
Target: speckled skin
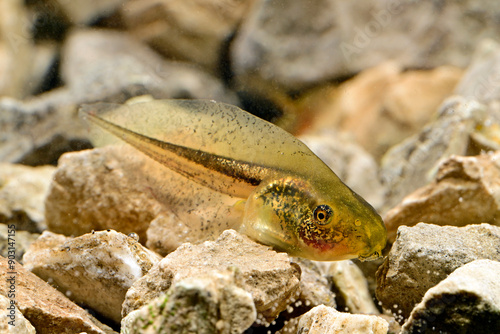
(292, 200)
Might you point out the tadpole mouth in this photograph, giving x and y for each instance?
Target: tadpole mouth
(370, 257)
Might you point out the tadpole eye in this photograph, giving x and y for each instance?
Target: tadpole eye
(322, 214)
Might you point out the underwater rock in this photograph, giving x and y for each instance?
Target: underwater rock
(326, 320)
(399, 102)
(424, 255)
(80, 12)
(103, 264)
(23, 240)
(481, 81)
(352, 164)
(465, 191)
(305, 43)
(22, 193)
(205, 304)
(195, 31)
(47, 309)
(100, 189)
(268, 276)
(413, 163)
(351, 287)
(21, 325)
(467, 301)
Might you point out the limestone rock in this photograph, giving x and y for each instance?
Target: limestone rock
(351, 287)
(22, 240)
(399, 102)
(47, 309)
(103, 264)
(268, 276)
(327, 320)
(22, 193)
(205, 304)
(413, 163)
(304, 43)
(352, 164)
(84, 11)
(467, 301)
(424, 255)
(11, 320)
(465, 191)
(187, 30)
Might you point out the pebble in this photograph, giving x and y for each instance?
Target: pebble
(424, 255)
(103, 264)
(467, 301)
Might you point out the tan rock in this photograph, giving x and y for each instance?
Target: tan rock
(103, 264)
(268, 276)
(465, 191)
(12, 320)
(87, 11)
(424, 255)
(187, 30)
(205, 304)
(22, 241)
(22, 193)
(47, 309)
(467, 301)
(327, 320)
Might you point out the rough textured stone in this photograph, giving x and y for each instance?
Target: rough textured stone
(187, 30)
(351, 287)
(466, 191)
(352, 164)
(103, 264)
(425, 254)
(206, 304)
(467, 301)
(303, 43)
(85, 11)
(399, 102)
(413, 163)
(22, 193)
(267, 275)
(11, 320)
(327, 320)
(22, 240)
(47, 309)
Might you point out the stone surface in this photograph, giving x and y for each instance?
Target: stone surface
(352, 164)
(467, 301)
(22, 193)
(81, 12)
(188, 30)
(481, 81)
(304, 43)
(205, 304)
(268, 276)
(465, 191)
(22, 240)
(425, 254)
(11, 320)
(47, 309)
(327, 320)
(351, 287)
(399, 102)
(103, 264)
(413, 163)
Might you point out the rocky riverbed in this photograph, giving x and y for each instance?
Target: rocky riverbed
(400, 98)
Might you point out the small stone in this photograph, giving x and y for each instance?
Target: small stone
(268, 276)
(21, 241)
(465, 191)
(351, 287)
(467, 301)
(205, 304)
(326, 320)
(47, 309)
(424, 255)
(12, 320)
(22, 192)
(103, 264)
(82, 12)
